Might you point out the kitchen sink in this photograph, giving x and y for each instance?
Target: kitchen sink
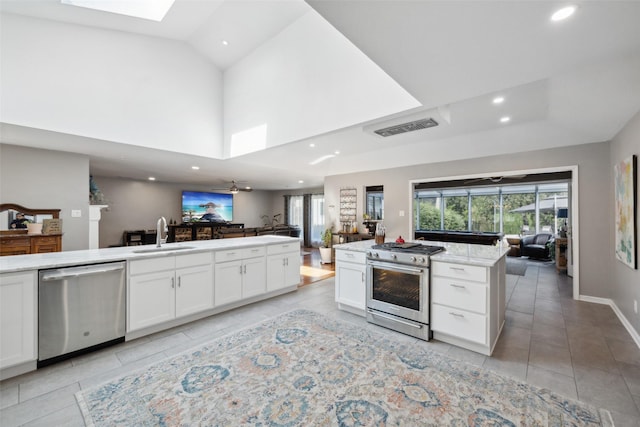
(162, 249)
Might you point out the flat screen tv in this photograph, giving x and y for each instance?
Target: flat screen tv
(200, 206)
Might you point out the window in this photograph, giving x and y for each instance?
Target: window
(296, 211)
(317, 218)
(510, 209)
(374, 206)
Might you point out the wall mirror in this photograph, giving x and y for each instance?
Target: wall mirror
(374, 202)
(9, 212)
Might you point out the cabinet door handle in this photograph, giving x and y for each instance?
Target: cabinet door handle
(245, 269)
(240, 269)
(179, 280)
(363, 276)
(457, 286)
(286, 261)
(173, 282)
(456, 314)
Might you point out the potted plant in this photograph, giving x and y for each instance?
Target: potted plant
(325, 249)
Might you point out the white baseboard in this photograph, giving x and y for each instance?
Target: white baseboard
(607, 301)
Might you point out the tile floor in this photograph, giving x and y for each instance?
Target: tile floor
(578, 349)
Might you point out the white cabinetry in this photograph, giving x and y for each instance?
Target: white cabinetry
(283, 266)
(18, 318)
(351, 273)
(467, 304)
(239, 274)
(164, 288)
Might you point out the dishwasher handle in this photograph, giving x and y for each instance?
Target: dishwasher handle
(65, 273)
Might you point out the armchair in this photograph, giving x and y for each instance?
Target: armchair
(535, 246)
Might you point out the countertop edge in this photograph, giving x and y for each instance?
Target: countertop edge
(21, 263)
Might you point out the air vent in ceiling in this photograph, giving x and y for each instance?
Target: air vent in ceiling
(407, 127)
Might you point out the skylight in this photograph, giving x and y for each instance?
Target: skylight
(153, 10)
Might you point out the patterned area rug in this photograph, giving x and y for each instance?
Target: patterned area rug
(305, 369)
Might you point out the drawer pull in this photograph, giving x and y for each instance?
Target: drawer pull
(230, 253)
(456, 314)
(457, 268)
(457, 286)
(349, 255)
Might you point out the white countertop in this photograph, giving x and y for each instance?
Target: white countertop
(92, 256)
(466, 253)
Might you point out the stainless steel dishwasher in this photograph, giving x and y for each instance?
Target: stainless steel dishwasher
(80, 309)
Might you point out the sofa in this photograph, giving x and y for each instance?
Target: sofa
(536, 246)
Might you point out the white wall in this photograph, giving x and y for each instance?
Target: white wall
(43, 179)
(307, 80)
(109, 85)
(625, 283)
(137, 205)
(595, 214)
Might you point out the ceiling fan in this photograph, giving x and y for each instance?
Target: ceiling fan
(234, 189)
(495, 179)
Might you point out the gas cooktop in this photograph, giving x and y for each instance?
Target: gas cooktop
(410, 247)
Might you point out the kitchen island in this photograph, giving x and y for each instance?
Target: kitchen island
(467, 290)
(165, 287)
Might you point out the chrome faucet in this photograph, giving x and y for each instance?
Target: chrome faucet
(161, 223)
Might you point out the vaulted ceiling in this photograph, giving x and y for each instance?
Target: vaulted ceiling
(563, 83)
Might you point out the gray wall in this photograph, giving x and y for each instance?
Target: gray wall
(625, 282)
(136, 205)
(595, 214)
(46, 179)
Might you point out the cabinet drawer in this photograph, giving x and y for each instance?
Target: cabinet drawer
(228, 255)
(193, 260)
(351, 256)
(459, 294)
(459, 323)
(151, 265)
(21, 241)
(283, 248)
(459, 271)
(253, 252)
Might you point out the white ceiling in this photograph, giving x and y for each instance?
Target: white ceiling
(565, 83)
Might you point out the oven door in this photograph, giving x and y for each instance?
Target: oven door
(397, 289)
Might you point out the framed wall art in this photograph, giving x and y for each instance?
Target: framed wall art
(625, 182)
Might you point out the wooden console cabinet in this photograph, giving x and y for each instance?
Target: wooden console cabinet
(22, 244)
(18, 242)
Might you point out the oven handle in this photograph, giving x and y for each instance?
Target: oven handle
(395, 267)
(394, 319)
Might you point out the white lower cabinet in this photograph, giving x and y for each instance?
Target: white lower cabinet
(165, 288)
(239, 274)
(18, 318)
(351, 274)
(466, 307)
(283, 266)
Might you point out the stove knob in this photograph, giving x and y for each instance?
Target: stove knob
(413, 259)
(376, 254)
(421, 260)
(394, 256)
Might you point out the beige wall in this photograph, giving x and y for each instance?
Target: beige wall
(47, 179)
(595, 215)
(624, 286)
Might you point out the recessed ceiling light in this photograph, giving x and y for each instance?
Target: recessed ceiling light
(300, 181)
(498, 100)
(563, 13)
(312, 145)
(225, 42)
(152, 178)
(195, 168)
(505, 119)
(153, 10)
(336, 153)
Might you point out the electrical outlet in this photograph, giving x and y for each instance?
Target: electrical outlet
(401, 213)
(635, 306)
(76, 213)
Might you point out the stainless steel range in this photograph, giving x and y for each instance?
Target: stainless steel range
(398, 287)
